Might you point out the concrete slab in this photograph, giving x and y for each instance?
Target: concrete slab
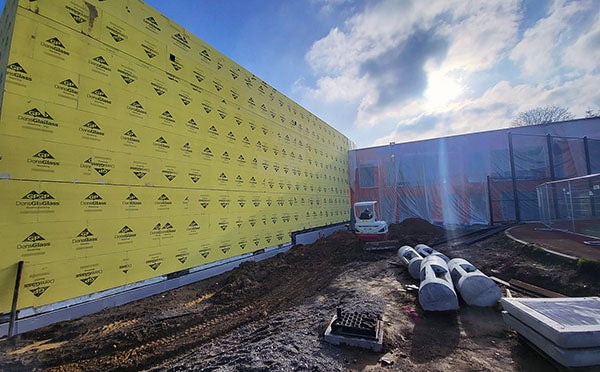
(568, 357)
(569, 322)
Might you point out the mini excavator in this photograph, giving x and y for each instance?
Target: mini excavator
(369, 228)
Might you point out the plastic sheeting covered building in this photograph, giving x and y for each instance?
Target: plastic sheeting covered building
(478, 178)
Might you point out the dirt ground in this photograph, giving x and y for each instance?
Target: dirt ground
(271, 315)
(556, 240)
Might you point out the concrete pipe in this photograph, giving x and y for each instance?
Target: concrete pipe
(411, 259)
(425, 250)
(436, 292)
(476, 288)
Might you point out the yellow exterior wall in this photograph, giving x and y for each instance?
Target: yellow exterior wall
(130, 149)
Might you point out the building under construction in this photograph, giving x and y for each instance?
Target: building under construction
(479, 178)
(135, 158)
(131, 152)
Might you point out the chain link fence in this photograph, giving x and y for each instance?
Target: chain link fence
(572, 204)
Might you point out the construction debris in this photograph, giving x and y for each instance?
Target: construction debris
(538, 291)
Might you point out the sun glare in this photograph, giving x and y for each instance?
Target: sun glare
(441, 89)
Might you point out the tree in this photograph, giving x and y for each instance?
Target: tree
(589, 113)
(542, 115)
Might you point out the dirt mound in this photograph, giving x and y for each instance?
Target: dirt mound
(413, 231)
(299, 273)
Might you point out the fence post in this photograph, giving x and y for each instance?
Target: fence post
(572, 210)
(490, 205)
(552, 171)
(13, 310)
(588, 168)
(550, 157)
(514, 177)
(586, 149)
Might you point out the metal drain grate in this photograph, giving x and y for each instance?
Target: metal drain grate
(356, 324)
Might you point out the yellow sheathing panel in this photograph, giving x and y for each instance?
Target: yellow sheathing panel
(130, 149)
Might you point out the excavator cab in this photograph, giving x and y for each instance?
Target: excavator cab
(367, 226)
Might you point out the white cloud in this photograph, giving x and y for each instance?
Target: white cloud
(575, 95)
(539, 51)
(584, 54)
(385, 26)
(481, 32)
(339, 88)
(365, 36)
(328, 6)
(402, 68)
(496, 108)
(331, 53)
(478, 32)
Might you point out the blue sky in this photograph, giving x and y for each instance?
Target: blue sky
(402, 70)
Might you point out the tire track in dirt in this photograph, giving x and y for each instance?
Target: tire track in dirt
(253, 292)
(162, 347)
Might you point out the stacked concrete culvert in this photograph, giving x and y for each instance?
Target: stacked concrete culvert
(476, 288)
(441, 278)
(425, 250)
(411, 259)
(436, 292)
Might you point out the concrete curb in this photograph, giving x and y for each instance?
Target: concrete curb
(508, 234)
